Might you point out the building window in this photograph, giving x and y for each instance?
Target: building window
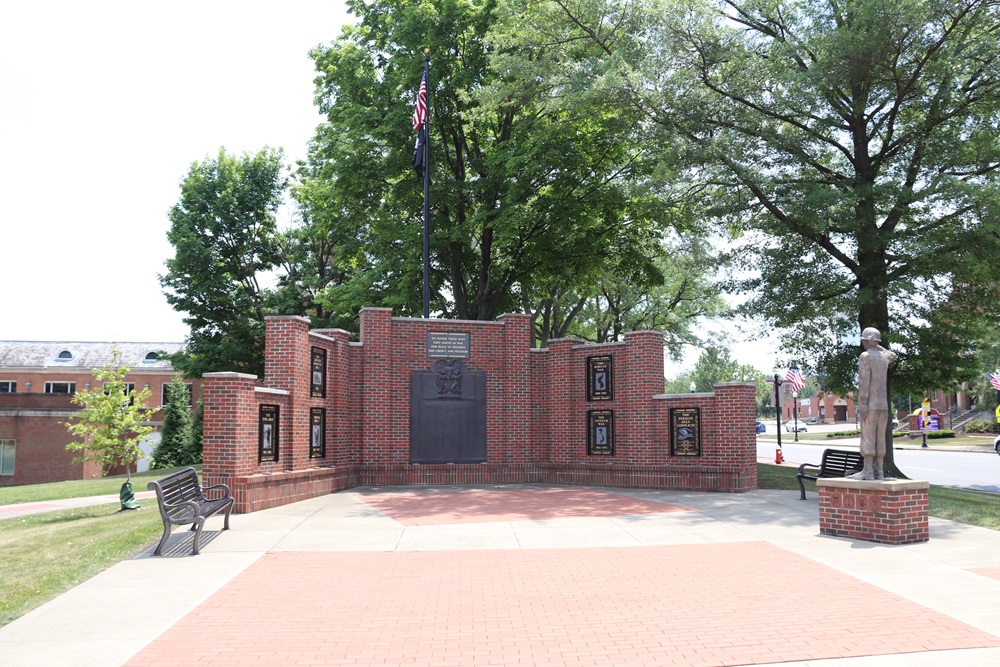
(151, 358)
(128, 388)
(165, 393)
(7, 387)
(7, 457)
(64, 356)
(60, 387)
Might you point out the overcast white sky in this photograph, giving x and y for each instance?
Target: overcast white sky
(104, 106)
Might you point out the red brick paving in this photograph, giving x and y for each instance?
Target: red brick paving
(424, 508)
(991, 572)
(693, 605)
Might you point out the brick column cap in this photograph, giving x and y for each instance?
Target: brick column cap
(269, 390)
(229, 374)
(327, 332)
(300, 318)
(692, 394)
(874, 484)
(736, 384)
(644, 332)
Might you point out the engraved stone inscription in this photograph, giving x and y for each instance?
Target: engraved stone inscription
(267, 433)
(685, 431)
(447, 345)
(600, 379)
(600, 432)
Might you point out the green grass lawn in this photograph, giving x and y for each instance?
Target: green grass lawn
(78, 488)
(49, 553)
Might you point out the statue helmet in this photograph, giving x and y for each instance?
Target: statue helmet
(871, 333)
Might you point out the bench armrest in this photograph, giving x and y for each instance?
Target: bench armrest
(225, 487)
(802, 468)
(193, 509)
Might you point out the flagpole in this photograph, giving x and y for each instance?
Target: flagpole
(427, 195)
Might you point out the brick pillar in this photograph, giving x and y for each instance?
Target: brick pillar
(517, 399)
(640, 377)
(565, 391)
(736, 412)
(230, 446)
(381, 441)
(286, 367)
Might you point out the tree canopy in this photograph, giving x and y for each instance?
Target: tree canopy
(225, 238)
(849, 149)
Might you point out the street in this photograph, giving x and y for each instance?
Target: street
(979, 471)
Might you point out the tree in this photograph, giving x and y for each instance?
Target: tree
(851, 147)
(177, 446)
(526, 190)
(224, 235)
(110, 425)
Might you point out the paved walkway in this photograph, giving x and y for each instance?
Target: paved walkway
(530, 575)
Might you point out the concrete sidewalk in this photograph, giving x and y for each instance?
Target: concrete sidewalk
(530, 575)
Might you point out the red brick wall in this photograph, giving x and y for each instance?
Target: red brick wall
(536, 411)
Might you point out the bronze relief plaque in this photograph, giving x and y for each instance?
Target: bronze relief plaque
(600, 378)
(317, 433)
(685, 431)
(600, 432)
(267, 433)
(317, 387)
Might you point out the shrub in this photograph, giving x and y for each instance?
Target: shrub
(978, 426)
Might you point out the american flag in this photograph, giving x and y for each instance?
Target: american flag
(795, 377)
(420, 111)
(995, 381)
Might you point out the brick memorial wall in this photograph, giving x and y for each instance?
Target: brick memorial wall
(330, 414)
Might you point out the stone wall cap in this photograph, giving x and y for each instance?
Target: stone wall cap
(644, 331)
(736, 384)
(690, 394)
(874, 484)
(327, 332)
(583, 344)
(439, 322)
(269, 390)
(230, 374)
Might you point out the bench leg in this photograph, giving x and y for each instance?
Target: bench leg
(163, 540)
(199, 522)
(229, 508)
(802, 487)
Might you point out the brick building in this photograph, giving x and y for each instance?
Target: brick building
(37, 383)
(422, 401)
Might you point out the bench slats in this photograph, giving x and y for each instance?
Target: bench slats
(835, 463)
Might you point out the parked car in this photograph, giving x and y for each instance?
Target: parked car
(794, 425)
(996, 444)
(895, 424)
(760, 427)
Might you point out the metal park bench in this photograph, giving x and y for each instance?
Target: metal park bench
(835, 463)
(182, 502)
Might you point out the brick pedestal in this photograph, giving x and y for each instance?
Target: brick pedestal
(888, 512)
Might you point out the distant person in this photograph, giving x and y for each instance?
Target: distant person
(873, 403)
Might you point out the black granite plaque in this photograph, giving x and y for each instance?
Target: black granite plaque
(267, 433)
(600, 385)
(448, 414)
(447, 345)
(685, 431)
(317, 433)
(600, 432)
(318, 370)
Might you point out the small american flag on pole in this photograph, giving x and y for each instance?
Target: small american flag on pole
(795, 377)
(995, 381)
(420, 111)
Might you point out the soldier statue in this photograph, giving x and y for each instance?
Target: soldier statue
(873, 403)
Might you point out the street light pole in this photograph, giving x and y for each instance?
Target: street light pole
(777, 404)
(795, 414)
